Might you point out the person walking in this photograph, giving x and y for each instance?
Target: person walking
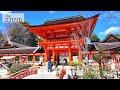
(0, 64)
(49, 65)
(40, 61)
(56, 65)
(62, 72)
(9, 64)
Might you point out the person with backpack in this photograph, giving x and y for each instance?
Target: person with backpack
(49, 65)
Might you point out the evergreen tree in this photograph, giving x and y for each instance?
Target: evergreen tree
(94, 38)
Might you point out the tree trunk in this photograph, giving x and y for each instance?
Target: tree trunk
(100, 69)
(103, 63)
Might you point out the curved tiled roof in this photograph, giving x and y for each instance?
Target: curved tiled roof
(18, 45)
(110, 38)
(63, 20)
(110, 42)
(11, 44)
(107, 46)
(23, 50)
(15, 48)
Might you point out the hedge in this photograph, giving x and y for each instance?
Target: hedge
(18, 66)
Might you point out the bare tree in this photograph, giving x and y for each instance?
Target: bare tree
(19, 33)
(3, 39)
(82, 32)
(80, 36)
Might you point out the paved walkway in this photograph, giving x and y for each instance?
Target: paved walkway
(44, 74)
(3, 73)
(41, 76)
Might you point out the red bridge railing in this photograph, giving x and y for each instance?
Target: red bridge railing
(23, 73)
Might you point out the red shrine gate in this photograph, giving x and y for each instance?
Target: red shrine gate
(56, 35)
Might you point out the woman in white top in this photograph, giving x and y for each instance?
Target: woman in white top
(41, 61)
(0, 64)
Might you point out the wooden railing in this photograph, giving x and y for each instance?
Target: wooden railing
(23, 73)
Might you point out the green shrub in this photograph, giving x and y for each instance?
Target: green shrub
(90, 74)
(77, 63)
(103, 71)
(18, 66)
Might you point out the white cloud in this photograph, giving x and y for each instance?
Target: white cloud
(112, 30)
(5, 12)
(51, 12)
(112, 11)
(113, 16)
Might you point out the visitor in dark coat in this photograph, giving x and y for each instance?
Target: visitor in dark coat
(49, 65)
(9, 65)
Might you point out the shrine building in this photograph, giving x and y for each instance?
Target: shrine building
(57, 35)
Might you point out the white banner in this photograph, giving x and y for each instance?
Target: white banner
(13, 17)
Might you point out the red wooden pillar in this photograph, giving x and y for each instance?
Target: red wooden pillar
(26, 59)
(56, 56)
(103, 60)
(45, 59)
(46, 56)
(90, 56)
(33, 60)
(53, 55)
(70, 53)
(70, 56)
(114, 58)
(20, 58)
(80, 55)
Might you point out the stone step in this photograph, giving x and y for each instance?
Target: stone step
(3, 71)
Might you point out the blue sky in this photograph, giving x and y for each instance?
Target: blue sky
(109, 21)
